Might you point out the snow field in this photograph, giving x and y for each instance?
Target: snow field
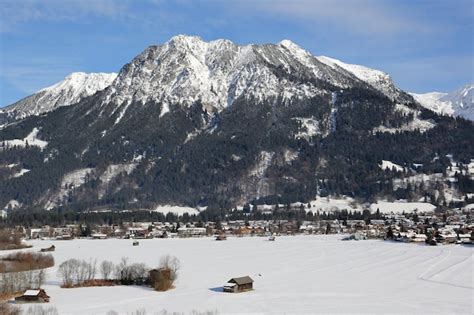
(294, 275)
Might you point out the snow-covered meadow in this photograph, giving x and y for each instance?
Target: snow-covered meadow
(293, 275)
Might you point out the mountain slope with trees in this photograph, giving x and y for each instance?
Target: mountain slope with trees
(216, 124)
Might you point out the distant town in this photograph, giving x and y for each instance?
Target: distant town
(453, 226)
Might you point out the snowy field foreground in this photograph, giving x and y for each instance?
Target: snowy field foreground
(293, 275)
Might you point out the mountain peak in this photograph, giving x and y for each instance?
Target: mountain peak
(187, 69)
(457, 103)
(74, 87)
(184, 39)
(289, 44)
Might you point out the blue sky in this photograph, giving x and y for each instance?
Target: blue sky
(425, 45)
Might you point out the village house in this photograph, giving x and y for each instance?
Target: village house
(376, 222)
(191, 231)
(35, 233)
(62, 233)
(40, 233)
(99, 236)
(356, 224)
(105, 229)
(137, 232)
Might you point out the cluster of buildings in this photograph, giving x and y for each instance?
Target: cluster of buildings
(142, 230)
(452, 226)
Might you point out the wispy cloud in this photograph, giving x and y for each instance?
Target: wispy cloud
(450, 71)
(369, 17)
(30, 75)
(13, 12)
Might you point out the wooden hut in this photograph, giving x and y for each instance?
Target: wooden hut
(221, 237)
(240, 284)
(51, 248)
(33, 296)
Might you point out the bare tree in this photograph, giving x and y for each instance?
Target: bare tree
(9, 309)
(106, 268)
(40, 310)
(172, 263)
(121, 270)
(69, 271)
(77, 272)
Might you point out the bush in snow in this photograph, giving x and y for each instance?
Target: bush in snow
(163, 278)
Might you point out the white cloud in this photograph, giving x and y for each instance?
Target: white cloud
(30, 75)
(368, 17)
(421, 74)
(14, 12)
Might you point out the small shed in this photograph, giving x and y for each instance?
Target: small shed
(221, 237)
(33, 296)
(52, 248)
(240, 284)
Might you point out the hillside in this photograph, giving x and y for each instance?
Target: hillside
(195, 123)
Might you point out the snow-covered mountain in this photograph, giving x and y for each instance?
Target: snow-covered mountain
(459, 103)
(186, 69)
(214, 123)
(69, 91)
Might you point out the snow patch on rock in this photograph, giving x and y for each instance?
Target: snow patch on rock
(12, 204)
(331, 204)
(31, 140)
(69, 182)
(177, 210)
(20, 173)
(390, 165)
(415, 124)
(113, 171)
(401, 206)
(263, 162)
(309, 128)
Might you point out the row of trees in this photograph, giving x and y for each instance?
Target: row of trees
(10, 239)
(12, 282)
(24, 261)
(77, 273)
(21, 271)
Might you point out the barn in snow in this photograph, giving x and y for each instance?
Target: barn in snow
(240, 284)
(33, 296)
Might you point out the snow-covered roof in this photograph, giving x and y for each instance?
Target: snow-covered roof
(31, 292)
(228, 284)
